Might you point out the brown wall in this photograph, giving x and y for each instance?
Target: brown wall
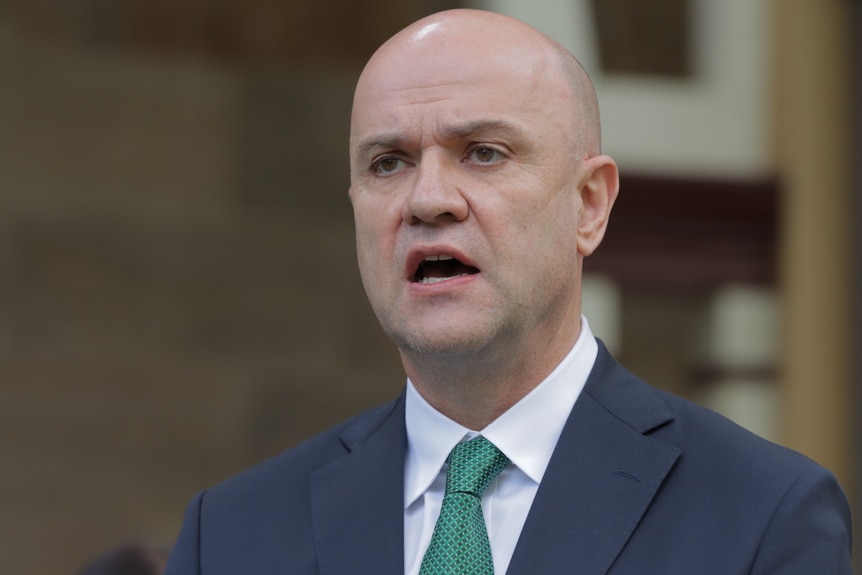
(179, 295)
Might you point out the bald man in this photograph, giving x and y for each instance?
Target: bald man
(478, 187)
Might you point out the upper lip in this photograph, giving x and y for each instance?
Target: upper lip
(419, 254)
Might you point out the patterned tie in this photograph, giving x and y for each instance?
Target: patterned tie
(459, 545)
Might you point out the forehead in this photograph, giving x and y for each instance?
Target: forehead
(436, 85)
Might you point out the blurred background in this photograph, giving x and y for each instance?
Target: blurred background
(179, 297)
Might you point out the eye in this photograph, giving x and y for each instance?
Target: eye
(486, 155)
(387, 165)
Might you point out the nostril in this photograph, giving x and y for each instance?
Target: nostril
(428, 218)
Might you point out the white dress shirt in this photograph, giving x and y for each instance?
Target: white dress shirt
(527, 434)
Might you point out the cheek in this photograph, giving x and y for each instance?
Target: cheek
(363, 222)
(376, 230)
(548, 239)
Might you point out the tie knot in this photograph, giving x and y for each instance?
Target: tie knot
(473, 465)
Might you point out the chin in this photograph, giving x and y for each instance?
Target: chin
(445, 343)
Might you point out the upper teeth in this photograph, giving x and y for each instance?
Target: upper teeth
(440, 258)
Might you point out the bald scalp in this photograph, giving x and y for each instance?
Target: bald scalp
(587, 126)
(483, 28)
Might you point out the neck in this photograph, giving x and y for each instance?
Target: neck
(476, 389)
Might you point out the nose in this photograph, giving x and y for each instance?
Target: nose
(435, 196)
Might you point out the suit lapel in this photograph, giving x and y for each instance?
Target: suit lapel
(358, 502)
(601, 479)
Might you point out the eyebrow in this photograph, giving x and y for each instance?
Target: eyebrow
(380, 141)
(391, 141)
(481, 126)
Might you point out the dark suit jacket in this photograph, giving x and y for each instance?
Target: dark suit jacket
(641, 483)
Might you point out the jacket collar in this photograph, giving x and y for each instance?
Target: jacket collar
(357, 502)
(601, 479)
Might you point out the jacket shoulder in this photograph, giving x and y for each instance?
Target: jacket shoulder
(695, 429)
(296, 463)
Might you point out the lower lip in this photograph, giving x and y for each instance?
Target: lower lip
(444, 285)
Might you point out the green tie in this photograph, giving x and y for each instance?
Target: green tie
(459, 545)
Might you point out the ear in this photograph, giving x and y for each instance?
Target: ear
(598, 193)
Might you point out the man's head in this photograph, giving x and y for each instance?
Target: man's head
(478, 186)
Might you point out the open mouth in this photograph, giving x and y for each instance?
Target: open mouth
(434, 269)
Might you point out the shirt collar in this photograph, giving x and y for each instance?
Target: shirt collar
(544, 411)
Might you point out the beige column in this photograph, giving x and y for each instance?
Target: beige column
(812, 121)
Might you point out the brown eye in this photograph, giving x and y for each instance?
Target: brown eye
(387, 165)
(486, 155)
